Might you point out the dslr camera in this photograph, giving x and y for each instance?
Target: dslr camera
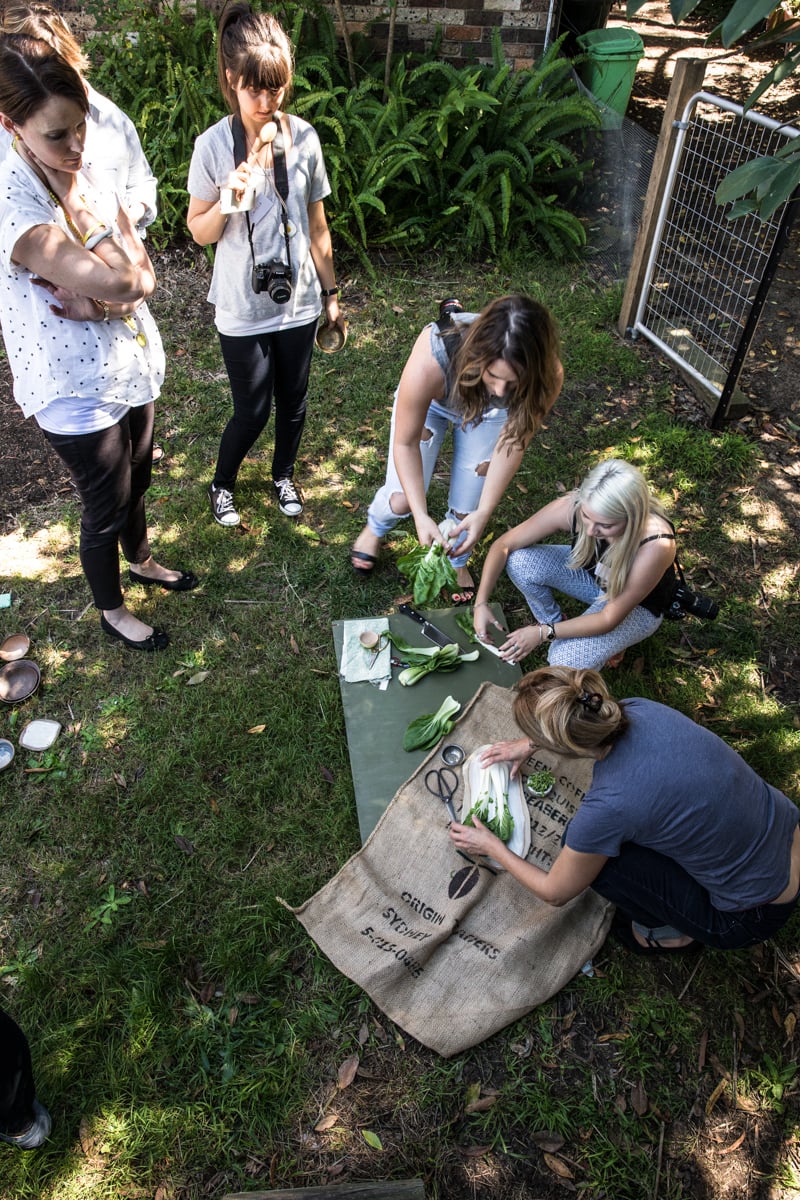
(686, 602)
(274, 278)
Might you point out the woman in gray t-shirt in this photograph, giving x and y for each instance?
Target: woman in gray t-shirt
(273, 255)
(676, 829)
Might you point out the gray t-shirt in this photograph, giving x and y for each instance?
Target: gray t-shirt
(675, 787)
(240, 310)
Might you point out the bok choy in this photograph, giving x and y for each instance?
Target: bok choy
(491, 806)
(430, 570)
(424, 732)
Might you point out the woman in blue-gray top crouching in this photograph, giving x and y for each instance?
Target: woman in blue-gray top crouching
(676, 829)
(491, 377)
(273, 259)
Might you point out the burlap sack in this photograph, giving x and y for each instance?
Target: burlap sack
(449, 950)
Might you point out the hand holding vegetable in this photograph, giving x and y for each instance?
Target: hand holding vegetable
(483, 618)
(515, 752)
(430, 570)
(476, 839)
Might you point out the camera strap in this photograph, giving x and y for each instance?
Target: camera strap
(281, 177)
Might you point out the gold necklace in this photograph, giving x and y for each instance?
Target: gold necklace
(139, 334)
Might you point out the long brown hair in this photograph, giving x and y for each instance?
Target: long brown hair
(30, 73)
(522, 332)
(43, 22)
(568, 710)
(254, 48)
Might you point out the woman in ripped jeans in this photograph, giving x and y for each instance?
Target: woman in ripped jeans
(491, 377)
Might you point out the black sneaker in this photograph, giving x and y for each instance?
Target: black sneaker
(290, 501)
(223, 509)
(35, 1134)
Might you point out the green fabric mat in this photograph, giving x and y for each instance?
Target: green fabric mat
(376, 720)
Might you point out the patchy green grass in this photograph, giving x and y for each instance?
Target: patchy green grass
(186, 1033)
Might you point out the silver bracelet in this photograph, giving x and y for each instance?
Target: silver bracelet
(97, 238)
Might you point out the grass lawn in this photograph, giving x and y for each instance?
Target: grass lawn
(186, 1033)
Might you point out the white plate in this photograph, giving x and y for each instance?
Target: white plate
(520, 841)
(39, 735)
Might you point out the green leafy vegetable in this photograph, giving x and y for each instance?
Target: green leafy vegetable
(444, 658)
(424, 732)
(465, 624)
(430, 570)
(491, 806)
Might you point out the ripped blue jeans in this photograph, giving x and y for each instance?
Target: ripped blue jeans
(472, 448)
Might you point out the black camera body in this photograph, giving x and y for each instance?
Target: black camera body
(274, 278)
(686, 602)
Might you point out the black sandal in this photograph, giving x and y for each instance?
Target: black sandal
(362, 556)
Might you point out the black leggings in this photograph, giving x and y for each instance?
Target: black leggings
(111, 470)
(261, 367)
(16, 1078)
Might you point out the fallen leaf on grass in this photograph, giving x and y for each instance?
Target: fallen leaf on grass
(715, 1095)
(198, 678)
(257, 729)
(372, 1139)
(184, 844)
(481, 1105)
(233, 1014)
(639, 1101)
(474, 1151)
(558, 1166)
(733, 1146)
(326, 1123)
(521, 488)
(326, 774)
(119, 779)
(293, 645)
(358, 468)
(548, 1141)
(790, 1024)
(347, 1071)
(701, 1053)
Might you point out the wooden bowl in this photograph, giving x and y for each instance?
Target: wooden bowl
(19, 680)
(330, 339)
(15, 646)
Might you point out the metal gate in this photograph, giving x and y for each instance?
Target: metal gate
(707, 277)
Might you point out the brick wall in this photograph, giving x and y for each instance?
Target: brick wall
(466, 28)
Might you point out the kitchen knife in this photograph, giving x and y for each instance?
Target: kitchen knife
(429, 630)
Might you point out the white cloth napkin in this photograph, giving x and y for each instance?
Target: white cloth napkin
(355, 662)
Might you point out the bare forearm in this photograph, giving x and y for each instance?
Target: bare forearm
(208, 227)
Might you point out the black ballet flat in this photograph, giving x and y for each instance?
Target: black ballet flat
(184, 583)
(157, 640)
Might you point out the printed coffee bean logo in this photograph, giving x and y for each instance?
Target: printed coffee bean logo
(463, 882)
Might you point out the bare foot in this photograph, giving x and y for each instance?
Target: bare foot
(616, 659)
(465, 593)
(127, 624)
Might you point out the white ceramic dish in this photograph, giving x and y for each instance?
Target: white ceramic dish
(6, 753)
(39, 734)
(520, 841)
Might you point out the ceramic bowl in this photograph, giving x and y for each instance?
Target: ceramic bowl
(6, 753)
(15, 646)
(330, 339)
(39, 734)
(19, 680)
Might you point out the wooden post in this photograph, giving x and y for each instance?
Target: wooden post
(687, 80)
(396, 1189)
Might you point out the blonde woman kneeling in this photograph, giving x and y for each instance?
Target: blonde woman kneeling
(620, 562)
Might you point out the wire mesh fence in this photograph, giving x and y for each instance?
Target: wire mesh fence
(706, 271)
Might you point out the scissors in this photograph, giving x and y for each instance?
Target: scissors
(443, 783)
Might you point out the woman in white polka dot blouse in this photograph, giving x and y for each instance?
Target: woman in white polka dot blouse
(84, 351)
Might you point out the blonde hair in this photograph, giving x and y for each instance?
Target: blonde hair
(521, 332)
(618, 491)
(568, 710)
(44, 23)
(254, 50)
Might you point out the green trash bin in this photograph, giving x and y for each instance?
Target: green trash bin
(610, 67)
